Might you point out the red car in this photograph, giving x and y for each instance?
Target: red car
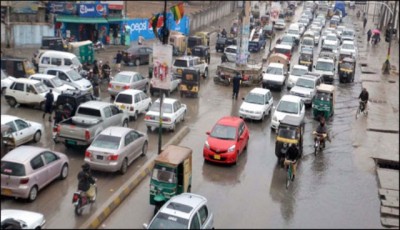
(227, 140)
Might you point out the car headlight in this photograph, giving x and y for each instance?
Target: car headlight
(206, 145)
(275, 118)
(232, 148)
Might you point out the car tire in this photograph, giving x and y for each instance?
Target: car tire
(33, 193)
(12, 102)
(137, 62)
(37, 136)
(125, 123)
(124, 166)
(64, 171)
(144, 148)
(148, 128)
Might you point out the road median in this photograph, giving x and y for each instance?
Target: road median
(116, 199)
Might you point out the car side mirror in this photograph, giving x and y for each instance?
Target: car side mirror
(313, 66)
(145, 226)
(208, 132)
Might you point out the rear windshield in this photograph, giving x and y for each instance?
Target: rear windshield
(180, 63)
(12, 168)
(106, 141)
(282, 51)
(124, 98)
(230, 50)
(122, 78)
(89, 112)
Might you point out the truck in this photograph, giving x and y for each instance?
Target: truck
(90, 119)
(257, 40)
(340, 6)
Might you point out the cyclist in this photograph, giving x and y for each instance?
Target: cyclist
(364, 96)
(321, 129)
(292, 155)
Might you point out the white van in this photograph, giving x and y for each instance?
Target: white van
(58, 58)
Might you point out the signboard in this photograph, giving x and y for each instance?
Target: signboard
(24, 7)
(93, 10)
(114, 5)
(62, 8)
(162, 64)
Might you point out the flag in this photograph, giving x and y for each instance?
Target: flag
(177, 11)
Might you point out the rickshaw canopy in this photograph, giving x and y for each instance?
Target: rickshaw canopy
(173, 155)
(278, 58)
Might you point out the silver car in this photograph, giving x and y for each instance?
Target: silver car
(184, 211)
(27, 169)
(115, 148)
(127, 80)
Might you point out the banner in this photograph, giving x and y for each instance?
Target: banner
(24, 7)
(140, 26)
(62, 8)
(93, 10)
(162, 64)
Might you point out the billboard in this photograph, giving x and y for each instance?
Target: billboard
(93, 10)
(162, 64)
(62, 8)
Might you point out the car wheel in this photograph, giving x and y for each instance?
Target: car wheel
(33, 193)
(144, 148)
(125, 123)
(64, 172)
(124, 167)
(37, 136)
(67, 145)
(262, 117)
(12, 102)
(137, 62)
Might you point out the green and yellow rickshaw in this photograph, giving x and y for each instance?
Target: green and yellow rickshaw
(324, 101)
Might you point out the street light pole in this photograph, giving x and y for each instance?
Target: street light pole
(386, 65)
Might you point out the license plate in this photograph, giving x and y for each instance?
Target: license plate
(217, 157)
(122, 107)
(71, 142)
(100, 157)
(118, 87)
(7, 192)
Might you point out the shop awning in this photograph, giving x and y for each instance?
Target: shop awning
(76, 19)
(115, 19)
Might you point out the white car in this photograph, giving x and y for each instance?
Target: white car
(21, 219)
(348, 47)
(306, 87)
(230, 53)
(184, 211)
(257, 104)
(339, 31)
(322, 18)
(326, 68)
(317, 34)
(333, 38)
(52, 82)
(173, 85)
(280, 24)
(334, 45)
(70, 77)
(274, 75)
(6, 81)
(297, 71)
(348, 34)
(288, 105)
(294, 31)
(133, 102)
(173, 112)
(21, 131)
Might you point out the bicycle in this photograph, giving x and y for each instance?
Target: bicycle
(361, 109)
(289, 174)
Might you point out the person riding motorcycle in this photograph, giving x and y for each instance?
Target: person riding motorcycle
(364, 96)
(321, 129)
(292, 155)
(86, 181)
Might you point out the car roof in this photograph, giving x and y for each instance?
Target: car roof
(130, 91)
(228, 120)
(308, 77)
(299, 67)
(186, 58)
(348, 42)
(127, 73)
(59, 53)
(115, 131)
(325, 59)
(23, 153)
(283, 46)
(7, 118)
(232, 46)
(259, 90)
(190, 199)
(330, 42)
(167, 100)
(19, 214)
(95, 104)
(41, 75)
(291, 98)
(26, 80)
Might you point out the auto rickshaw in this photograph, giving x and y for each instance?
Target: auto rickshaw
(83, 50)
(347, 68)
(324, 101)
(190, 83)
(203, 52)
(178, 41)
(204, 37)
(279, 58)
(172, 175)
(343, 55)
(17, 67)
(306, 57)
(290, 131)
(192, 42)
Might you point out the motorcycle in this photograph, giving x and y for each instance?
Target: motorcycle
(80, 200)
(98, 46)
(318, 144)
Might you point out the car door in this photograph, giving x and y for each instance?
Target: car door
(39, 175)
(206, 218)
(32, 95)
(17, 91)
(178, 110)
(142, 54)
(141, 82)
(127, 150)
(145, 100)
(147, 57)
(195, 221)
(108, 121)
(116, 116)
(52, 164)
(302, 110)
(241, 142)
(24, 134)
(138, 103)
(135, 146)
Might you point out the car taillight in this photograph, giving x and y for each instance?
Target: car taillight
(88, 154)
(87, 135)
(75, 197)
(126, 87)
(24, 181)
(109, 85)
(58, 129)
(166, 119)
(112, 157)
(147, 117)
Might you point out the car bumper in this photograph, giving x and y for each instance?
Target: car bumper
(222, 158)
(73, 142)
(21, 191)
(106, 167)
(248, 115)
(156, 124)
(272, 84)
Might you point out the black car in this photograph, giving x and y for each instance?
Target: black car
(75, 98)
(220, 44)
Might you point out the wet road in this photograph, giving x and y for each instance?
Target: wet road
(331, 190)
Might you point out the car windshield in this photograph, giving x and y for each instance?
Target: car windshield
(41, 88)
(306, 83)
(282, 51)
(166, 108)
(324, 66)
(280, 21)
(163, 174)
(293, 32)
(106, 142)
(180, 63)
(331, 38)
(224, 132)
(122, 78)
(347, 33)
(57, 82)
(12, 168)
(308, 42)
(198, 52)
(230, 50)
(75, 76)
(167, 221)
(288, 107)
(124, 98)
(348, 46)
(330, 46)
(298, 71)
(274, 70)
(254, 98)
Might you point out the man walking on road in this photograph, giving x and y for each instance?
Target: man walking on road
(236, 85)
(48, 104)
(118, 60)
(365, 22)
(369, 34)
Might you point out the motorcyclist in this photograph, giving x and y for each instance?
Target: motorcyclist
(364, 96)
(86, 181)
(292, 155)
(321, 129)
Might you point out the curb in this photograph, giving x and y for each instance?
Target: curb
(116, 199)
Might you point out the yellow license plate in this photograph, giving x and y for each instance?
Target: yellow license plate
(6, 192)
(118, 87)
(179, 71)
(122, 107)
(217, 157)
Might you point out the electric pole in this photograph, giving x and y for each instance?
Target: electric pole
(386, 65)
(244, 22)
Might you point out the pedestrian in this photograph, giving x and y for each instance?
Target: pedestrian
(118, 60)
(48, 104)
(236, 85)
(365, 22)
(115, 35)
(369, 34)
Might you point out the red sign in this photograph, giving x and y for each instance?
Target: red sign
(115, 7)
